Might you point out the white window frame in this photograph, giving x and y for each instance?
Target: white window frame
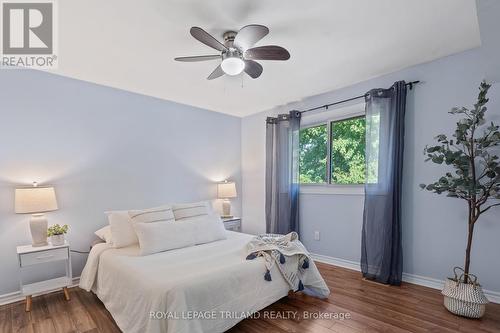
(352, 111)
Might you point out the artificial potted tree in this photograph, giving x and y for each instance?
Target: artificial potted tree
(474, 176)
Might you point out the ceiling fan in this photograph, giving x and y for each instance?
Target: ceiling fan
(237, 53)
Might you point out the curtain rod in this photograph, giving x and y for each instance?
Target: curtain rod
(350, 99)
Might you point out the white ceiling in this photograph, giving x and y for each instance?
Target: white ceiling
(130, 44)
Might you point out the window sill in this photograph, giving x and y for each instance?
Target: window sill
(333, 189)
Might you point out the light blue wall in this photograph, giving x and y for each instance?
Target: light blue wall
(434, 227)
(102, 149)
(338, 218)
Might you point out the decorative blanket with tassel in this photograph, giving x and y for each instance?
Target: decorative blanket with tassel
(292, 260)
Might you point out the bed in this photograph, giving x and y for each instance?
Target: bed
(203, 288)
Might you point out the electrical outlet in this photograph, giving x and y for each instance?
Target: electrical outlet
(316, 235)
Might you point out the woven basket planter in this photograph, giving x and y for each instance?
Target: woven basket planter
(464, 299)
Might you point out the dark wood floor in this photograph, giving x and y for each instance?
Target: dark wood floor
(371, 307)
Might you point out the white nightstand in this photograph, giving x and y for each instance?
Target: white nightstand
(232, 223)
(28, 256)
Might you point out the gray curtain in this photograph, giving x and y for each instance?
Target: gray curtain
(381, 251)
(282, 173)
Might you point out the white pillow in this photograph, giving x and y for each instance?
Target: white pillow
(187, 210)
(122, 231)
(158, 237)
(207, 228)
(104, 234)
(157, 214)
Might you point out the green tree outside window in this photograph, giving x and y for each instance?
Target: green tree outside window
(347, 150)
(313, 151)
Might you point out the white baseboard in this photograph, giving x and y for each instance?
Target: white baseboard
(352, 265)
(16, 296)
(424, 281)
(493, 296)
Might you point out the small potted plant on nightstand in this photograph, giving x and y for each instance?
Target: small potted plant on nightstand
(473, 175)
(56, 234)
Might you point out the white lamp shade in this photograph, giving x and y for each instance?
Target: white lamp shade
(226, 190)
(35, 200)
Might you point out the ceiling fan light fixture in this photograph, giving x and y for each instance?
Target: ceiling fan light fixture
(232, 65)
(237, 53)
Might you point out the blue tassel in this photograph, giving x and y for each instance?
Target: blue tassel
(251, 256)
(301, 286)
(267, 276)
(282, 259)
(305, 264)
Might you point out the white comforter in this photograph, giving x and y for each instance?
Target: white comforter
(190, 289)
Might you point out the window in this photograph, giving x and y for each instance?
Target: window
(348, 151)
(333, 152)
(313, 154)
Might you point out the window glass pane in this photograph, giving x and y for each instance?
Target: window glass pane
(373, 148)
(313, 146)
(348, 151)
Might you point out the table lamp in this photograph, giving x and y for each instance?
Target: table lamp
(226, 191)
(36, 201)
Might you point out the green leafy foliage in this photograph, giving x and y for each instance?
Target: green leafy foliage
(56, 229)
(469, 153)
(312, 157)
(348, 151)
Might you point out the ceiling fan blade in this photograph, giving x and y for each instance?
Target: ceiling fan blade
(198, 58)
(269, 52)
(249, 35)
(206, 38)
(218, 72)
(253, 68)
